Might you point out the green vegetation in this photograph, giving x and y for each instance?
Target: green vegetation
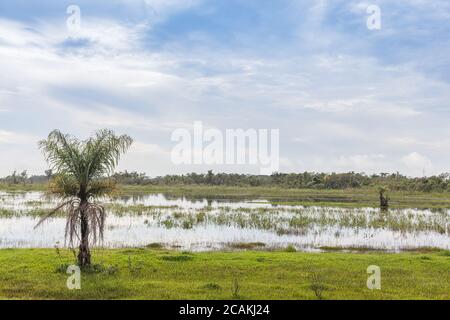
(281, 220)
(246, 245)
(82, 172)
(304, 180)
(161, 274)
(350, 198)
(347, 198)
(23, 188)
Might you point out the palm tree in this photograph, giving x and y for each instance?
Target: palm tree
(81, 170)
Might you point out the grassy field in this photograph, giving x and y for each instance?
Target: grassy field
(160, 274)
(363, 197)
(23, 187)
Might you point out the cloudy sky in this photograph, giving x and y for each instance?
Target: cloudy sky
(344, 97)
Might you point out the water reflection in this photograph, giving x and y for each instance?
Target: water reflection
(213, 224)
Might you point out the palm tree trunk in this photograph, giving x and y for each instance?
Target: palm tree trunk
(384, 202)
(84, 255)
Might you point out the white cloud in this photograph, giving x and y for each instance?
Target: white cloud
(361, 162)
(417, 164)
(14, 138)
(346, 112)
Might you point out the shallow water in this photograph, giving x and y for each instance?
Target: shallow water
(203, 225)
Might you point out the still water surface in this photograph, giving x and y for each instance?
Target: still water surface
(202, 225)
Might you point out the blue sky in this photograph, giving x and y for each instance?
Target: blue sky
(344, 97)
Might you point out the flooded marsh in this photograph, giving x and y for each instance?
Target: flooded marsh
(204, 225)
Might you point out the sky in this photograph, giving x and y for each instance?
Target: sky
(344, 97)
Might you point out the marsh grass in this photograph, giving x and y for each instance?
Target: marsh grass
(279, 219)
(291, 220)
(353, 249)
(155, 245)
(282, 218)
(246, 245)
(290, 248)
(235, 288)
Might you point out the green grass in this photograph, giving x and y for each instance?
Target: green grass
(23, 187)
(361, 197)
(162, 274)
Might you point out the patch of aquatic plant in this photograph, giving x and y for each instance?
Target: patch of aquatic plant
(181, 220)
(247, 245)
(425, 250)
(7, 213)
(285, 220)
(168, 223)
(350, 249)
(139, 209)
(290, 248)
(10, 213)
(34, 203)
(155, 245)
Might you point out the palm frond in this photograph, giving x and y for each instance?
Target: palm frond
(62, 153)
(96, 216)
(103, 152)
(51, 213)
(83, 163)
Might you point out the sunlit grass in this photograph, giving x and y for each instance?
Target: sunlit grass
(162, 274)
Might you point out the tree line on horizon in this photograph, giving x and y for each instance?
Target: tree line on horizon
(305, 180)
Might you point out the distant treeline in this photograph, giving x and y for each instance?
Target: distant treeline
(305, 180)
